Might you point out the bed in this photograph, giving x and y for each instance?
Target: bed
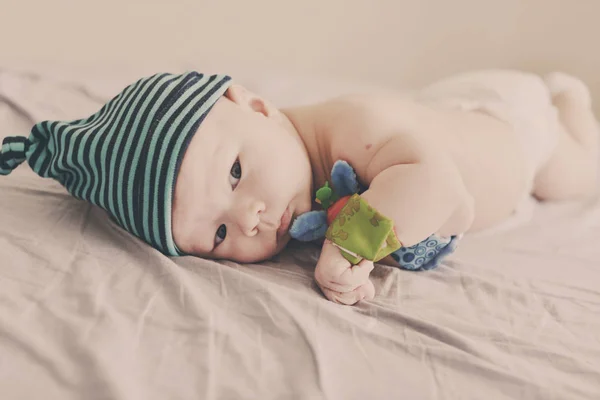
(89, 312)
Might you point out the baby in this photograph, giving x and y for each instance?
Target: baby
(458, 156)
(202, 166)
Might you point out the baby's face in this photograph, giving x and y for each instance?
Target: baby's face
(244, 177)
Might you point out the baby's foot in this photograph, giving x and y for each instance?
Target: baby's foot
(560, 83)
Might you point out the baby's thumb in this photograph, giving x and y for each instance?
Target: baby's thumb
(367, 291)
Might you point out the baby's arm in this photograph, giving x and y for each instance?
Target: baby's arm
(411, 179)
(422, 191)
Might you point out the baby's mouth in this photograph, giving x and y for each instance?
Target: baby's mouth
(285, 222)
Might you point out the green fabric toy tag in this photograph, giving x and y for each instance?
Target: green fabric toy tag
(360, 231)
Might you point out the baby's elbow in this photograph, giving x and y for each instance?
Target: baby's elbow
(462, 215)
(444, 177)
(453, 193)
(465, 214)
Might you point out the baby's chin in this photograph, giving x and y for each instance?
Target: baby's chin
(265, 255)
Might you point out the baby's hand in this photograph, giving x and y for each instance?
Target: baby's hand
(340, 281)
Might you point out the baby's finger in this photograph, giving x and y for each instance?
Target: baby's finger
(368, 290)
(364, 292)
(352, 277)
(355, 275)
(331, 263)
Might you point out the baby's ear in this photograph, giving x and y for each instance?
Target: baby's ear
(249, 100)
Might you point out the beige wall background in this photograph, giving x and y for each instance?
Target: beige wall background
(400, 43)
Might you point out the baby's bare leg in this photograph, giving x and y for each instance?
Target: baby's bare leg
(571, 172)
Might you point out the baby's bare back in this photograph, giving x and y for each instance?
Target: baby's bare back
(486, 151)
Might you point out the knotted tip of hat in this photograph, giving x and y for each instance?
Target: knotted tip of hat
(13, 153)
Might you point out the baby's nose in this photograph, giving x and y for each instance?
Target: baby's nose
(248, 216)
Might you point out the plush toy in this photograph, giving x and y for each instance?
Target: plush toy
(359, 230)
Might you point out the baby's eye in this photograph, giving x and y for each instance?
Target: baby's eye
(235, 174)
(220, 235)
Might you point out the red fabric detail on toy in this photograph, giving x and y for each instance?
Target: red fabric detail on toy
(335, 209)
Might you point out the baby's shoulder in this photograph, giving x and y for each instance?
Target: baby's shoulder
(372, 118)
(358, 126)
(370, 115)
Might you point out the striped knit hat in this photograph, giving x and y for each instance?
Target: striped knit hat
(125, 158)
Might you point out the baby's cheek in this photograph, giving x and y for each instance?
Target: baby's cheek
(252, 250)
(281, 245)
